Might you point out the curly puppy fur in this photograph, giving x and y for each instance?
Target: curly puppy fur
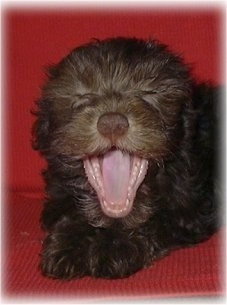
(153, 110)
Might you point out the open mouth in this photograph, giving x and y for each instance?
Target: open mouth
(116, 176)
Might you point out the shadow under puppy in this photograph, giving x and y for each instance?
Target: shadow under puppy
(129, 142)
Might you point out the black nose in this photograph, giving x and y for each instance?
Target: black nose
(112, 125)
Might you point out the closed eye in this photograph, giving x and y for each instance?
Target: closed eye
(85, 100)
(150, 99)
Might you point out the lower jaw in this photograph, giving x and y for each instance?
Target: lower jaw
(116, 211)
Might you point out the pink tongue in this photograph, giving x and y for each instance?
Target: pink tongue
(116, 174)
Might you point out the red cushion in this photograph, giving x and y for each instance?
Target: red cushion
(35, 39)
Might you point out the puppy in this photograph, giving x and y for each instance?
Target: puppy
(129, 139)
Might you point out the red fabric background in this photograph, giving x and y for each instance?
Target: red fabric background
(33, 39)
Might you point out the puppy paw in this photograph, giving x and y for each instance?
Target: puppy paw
(61, 260)
(116, 258)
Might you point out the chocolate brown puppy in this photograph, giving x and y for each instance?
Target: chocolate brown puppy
(129, 140)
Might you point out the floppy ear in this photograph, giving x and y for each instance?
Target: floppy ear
(200, 218)
(40, 129)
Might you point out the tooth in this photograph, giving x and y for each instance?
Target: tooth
(92, 174)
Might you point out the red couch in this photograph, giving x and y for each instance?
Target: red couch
(36, 38)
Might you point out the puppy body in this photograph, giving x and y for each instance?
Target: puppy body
(129, 141)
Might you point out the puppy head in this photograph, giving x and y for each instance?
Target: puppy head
(116, 105)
